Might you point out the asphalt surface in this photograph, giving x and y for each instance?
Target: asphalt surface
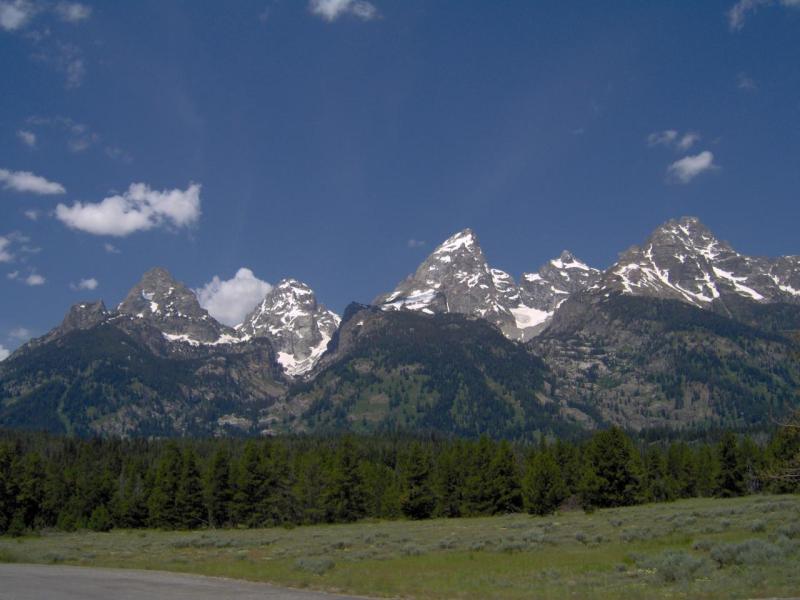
(44, 582)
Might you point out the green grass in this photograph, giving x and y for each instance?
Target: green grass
(740, 548)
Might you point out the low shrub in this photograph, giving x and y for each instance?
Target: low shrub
(676, 566)
(748, 552)
(318, 565)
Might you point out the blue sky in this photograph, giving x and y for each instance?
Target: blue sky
(338, 141)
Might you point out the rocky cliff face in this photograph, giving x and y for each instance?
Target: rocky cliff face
(297, 326)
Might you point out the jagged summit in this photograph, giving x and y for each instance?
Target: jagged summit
(173, 308)
(297, 326)
(457, 278)
(683, 260)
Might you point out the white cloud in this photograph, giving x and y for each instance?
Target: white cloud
(111, 249)
(13, 275)
(32, 214)
(25, 181)
(140, 208)
(73, 12)
(15, 15)
(85, 284)
(746, 83)
(688, 140)
(27, 137)
(4, 353)
(229, 301)
(79, 137)
(330, 10)
(689, 167)
(671, 138)
(21, 334)
(34, 279)
(5, 249)
(412, 243)
(662, 138)
(739, 12)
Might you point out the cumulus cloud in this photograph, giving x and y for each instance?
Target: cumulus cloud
(412, 243)
(85, 284)
(330, 10)
(140, 208)
(740, 11)
(73, 12)
(15, 14)
(27, 137)
(671, 138)
(229, 301)
(34, 279)
(4, 353)
(25, 181)
(689, 167)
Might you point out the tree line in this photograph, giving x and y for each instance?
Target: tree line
(100, 484)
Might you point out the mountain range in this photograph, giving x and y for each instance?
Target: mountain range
(680, 332)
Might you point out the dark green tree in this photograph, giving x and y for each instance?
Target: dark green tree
(189, 499)
(345, 498)
(612, 472)
(730, 481)
(504, 481)
(218, 488)
(657, 485)
(418, 500)
(543, 486)
(162, 505)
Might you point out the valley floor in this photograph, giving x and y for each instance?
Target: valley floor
(704, 548)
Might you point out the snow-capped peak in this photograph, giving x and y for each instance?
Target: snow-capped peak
(297, 326)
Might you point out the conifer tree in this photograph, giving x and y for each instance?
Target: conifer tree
(162, 506)
(612, 475)
(247, 506)
(218, 489)
(450, 480)
(730, 481)
(543, 486)
(477, 484)
(657, 484)
(418, 501)
(279, 501)
(8, 487)
(189, 499)
(505, 489)
(345, 500)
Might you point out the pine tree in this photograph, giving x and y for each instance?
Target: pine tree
(656, 481)
(418, 500)
(450, 480)
(612, 474)
(279, 501)
(218, 489)
(189, 499)
(505, 489)
(30, 491)
(8, 487)
(543, 487)
(162, 502)
(730, 481)
(345, 500)
(250, 488)
(477, 483)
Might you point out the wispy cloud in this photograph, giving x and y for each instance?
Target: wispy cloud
(230, 300)
(140, 208)
(34, 280)
(89, 283)
(67, 59)
(20, 334)
(25, 181)
(671, 138)
(27, 137)
(6, 256)
(4, 353)
(330, 10)
(73, 12)
(412, 243)
(689, 167)
(16, 14)
(32, 214)
(739, 12)
(111, 249)
(746, 83)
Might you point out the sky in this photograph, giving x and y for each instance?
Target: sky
(339, 141)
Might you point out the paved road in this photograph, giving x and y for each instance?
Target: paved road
(44, 582)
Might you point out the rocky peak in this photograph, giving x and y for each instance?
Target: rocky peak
(84, 315)
(683, 260)
(297, 326)
(456, 278)
(171, 307)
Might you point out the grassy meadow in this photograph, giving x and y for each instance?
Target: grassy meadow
(703, 548)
